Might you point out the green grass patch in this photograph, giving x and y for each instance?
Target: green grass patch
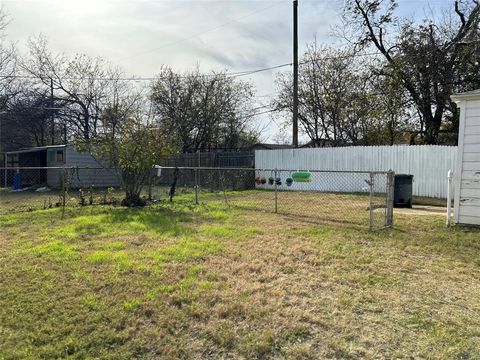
(55, 250)
(120, 259)
(217, 230)
(185, 249)
(131, 305)
(93, 302)
(119, 221)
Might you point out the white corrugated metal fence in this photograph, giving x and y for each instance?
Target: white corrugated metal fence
(429, 163)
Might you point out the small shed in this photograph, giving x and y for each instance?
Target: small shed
(42, 166)
(467, 173)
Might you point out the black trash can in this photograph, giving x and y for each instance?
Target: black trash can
(403, 191)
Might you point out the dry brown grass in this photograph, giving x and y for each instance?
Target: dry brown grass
(206, 282)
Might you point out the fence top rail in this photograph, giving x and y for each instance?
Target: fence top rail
(200, 168)
(55, 168)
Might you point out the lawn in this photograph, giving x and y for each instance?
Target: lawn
(215, 281)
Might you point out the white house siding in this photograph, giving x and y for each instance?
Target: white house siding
(467, 203)
(428, 164)
(89, 173)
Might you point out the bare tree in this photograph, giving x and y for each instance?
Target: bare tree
(203, 111)
(7, 58)
(9, 86)
(82, 86)
(26, 121)
(335, 98)
(429, 60)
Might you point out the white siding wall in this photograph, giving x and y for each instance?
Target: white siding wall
(469, 198)
(428, 164)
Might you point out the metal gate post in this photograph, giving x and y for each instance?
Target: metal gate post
(390, 195)
(276, 193)
(371, 183)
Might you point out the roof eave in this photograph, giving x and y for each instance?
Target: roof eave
(35, 149)
(469, 95)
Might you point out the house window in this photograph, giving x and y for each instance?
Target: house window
(59, 156)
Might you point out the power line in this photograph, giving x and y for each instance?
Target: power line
(261, 113)
(202, 33)
(228, 74)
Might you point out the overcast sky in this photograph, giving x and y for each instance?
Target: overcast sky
(140, 36)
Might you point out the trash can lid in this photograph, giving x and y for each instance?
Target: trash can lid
(405, 176)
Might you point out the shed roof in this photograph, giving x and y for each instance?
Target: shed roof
(35, 149)
(468, 95)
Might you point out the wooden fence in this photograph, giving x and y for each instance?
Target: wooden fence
(211, 159)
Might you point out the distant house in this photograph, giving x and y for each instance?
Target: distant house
(264, 146)
(43, 166)
(320, 143)
(309, 144)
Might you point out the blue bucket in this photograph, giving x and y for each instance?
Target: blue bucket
(17, 181)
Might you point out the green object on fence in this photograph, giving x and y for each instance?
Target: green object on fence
(302, 176)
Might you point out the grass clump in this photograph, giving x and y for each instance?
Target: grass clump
(93, 302)
(258, 345)
(55, 250)
(216, 230)
(185, 249)
(131, 305)
(119, 259)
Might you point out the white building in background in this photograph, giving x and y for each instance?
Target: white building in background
(467, 171)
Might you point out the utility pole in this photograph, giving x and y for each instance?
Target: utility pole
(295, 74)
(52, 119)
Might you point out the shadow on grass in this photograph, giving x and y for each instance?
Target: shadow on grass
(108, 221)
(159, 220)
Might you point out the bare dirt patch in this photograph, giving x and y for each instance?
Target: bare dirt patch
(422, 210)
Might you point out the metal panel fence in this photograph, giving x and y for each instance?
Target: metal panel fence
(354, 198)
(428, 163)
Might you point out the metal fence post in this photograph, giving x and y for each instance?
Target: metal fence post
(150, 178)
(64, 191)
(6, 171)
(276, 192)
(196, 186)
(371, 184)
(390, 195)
(449, 197)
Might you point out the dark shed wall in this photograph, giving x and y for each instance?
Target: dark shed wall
(95, 176)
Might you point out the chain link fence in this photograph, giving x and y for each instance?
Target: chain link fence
(35, 188)
(362, 199)
(344, 197)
